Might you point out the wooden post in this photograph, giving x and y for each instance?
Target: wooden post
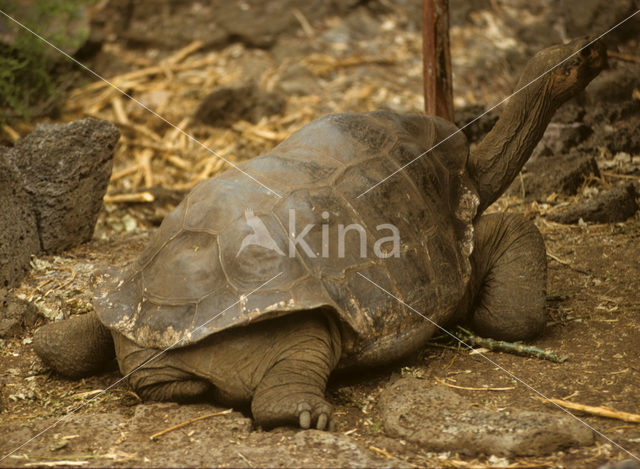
(438, 88)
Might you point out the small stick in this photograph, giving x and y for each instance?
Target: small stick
(185, 52)
(120, 80)
(509, 347)
(13, 135)
(568, 264)
(118, 110)
(144, 131)
(324, 67)
(137, 197)
(244, 458)
(61, 462)
(178, 162)
(70, 281)
(306, 27)
(212, 166)
(99, 102)
(599, 411)
(166, 70)
(467, 388)
(188, 422)
(624, 57)
(153, 145)
(616, 175)
(124, 172)
(178, 130)
(381, 451)
(145, 163)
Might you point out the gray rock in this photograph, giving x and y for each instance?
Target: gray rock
(440, 420)
(563, 174)
(598, 15)
(65, 169)
(228, 104)
(18, 229)
(298, 80)
(473, 126)
(255, 23)
(559, 138)
(615, 205)
(15, 315)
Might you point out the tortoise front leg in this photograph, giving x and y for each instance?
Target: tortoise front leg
(509, 279)
(292, 389)
(76, 347)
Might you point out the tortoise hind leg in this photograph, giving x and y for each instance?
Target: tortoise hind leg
(179, 387)
(157, 375)
(509, 278)
(75, 347)
(292, 389)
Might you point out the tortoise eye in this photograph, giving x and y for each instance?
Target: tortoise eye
(585, 52)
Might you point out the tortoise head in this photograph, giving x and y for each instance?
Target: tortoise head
(570, 68)
(550, 78)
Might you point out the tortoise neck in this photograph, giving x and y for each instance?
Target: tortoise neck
(499, 157)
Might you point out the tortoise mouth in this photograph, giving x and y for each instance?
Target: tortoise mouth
(587, 59)
(594, 53)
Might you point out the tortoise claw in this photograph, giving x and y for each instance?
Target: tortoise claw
(332, 426)
(322, 421)
(305, 419)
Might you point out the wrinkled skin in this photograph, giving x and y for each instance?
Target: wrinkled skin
(280, 366)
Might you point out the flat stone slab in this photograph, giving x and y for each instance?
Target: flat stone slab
(612, 206)
(545, 175)
(439, 419)
(228, 104)
(115, 439)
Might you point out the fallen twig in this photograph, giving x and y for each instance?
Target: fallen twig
(568, 264)
(122, 80)
(624, 57)
(63, 462)
(138, 197)
(621, 176)
(13, 135)
(188, 422)
(599, 411)
(304, 23)
(124, 172)
(468, 388)
(118, 110)
(244, 458)
(185, 52)
(70, 281)
(144, 158)
(509, 347)
(321, 64)
(380, 451)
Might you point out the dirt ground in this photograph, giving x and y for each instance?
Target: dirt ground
(363, 59)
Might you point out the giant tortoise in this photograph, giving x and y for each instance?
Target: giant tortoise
(253, 290)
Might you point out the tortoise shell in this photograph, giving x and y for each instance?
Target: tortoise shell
(210, 266)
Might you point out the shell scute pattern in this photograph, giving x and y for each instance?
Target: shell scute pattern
(199, 275)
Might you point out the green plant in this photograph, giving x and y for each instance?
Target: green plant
(27, 63)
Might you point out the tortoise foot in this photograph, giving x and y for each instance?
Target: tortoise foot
(75, 347)
(303, 409)
(511, 276)
(291, 392)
